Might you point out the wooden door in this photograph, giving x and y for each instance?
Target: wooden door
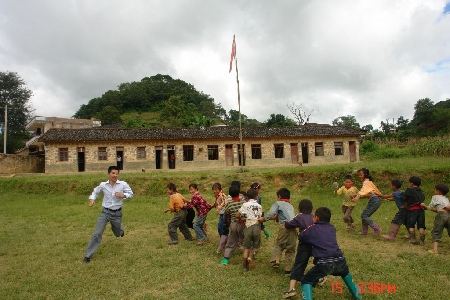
(229, 155)
(294, 153)
(352, 150)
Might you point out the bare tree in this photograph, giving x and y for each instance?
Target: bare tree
(300, 113)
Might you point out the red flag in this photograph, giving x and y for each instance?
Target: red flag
(233, 54)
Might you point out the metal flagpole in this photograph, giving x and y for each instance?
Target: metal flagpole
(241, 150)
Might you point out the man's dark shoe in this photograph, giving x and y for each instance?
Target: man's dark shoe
(86, 260)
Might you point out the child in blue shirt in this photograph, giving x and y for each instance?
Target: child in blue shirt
(287, 238)
(402, 213)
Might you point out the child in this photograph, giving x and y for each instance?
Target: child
(304, 219)
(176, 205)
(287, 238)
(413, 197)
(328, 258)
(202, 208)
(400, 217)
(368, 190)
(250, 212)
(243, 196)
(347, 204)
(256, 186)
(221, 201)
(438, 205)
(190, 216)
(235, 227)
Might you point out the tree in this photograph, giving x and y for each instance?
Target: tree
(110, 115)
(387, 127)
(202, 121)
(176, 113)
(279, 120)
(367, 128)
(423, 109)
(233, 118)
(15, 94)
(148, 94)
(300, 114)
(402, 123)
(348, 120)
(220, 112)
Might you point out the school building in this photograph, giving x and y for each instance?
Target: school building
(94, 149)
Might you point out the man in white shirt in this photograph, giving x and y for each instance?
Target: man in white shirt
(114, 191)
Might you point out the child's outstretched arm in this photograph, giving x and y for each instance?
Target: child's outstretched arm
(388, 197)
(431, 207)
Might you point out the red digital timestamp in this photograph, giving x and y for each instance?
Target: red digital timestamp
(366, 287)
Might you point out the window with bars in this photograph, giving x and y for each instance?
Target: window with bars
(279, 150)
(338, 148)
(140, 153)
(256, 151)
(213, 152)
(188, 153)
(318, 149)
(102, 153)
(63, 154)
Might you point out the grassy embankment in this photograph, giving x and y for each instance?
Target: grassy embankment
(46, 225)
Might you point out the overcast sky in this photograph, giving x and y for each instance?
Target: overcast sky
(371, 59)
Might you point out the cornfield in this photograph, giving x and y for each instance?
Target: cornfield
(435, 146)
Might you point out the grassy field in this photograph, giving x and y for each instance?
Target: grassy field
(46, 225)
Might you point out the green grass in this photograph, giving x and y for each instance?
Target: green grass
(46, 225)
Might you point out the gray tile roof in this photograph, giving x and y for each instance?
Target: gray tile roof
(113, 134)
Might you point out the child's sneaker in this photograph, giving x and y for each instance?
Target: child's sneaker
(289, 294)
(322, 281)
(224, 261)
(432, 252)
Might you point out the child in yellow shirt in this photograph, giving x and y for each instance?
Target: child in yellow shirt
(347, 204)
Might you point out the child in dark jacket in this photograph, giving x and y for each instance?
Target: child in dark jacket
(328, 258)
(304, 219)
(413, 196)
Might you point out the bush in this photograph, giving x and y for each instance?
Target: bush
(368, 147)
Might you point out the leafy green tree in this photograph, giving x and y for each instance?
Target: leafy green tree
(109, 115)
(220, 112)
(135, 123)
(348, 120)
(279, 120)
(233, 118)
(367, 128)
(402, 123)
(387, 127)
(177, 113)
(14, 94)
(207, 109)
(149, 94)
(423, 110)
(202, 121)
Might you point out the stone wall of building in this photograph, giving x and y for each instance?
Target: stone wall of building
(200, 157)
(15, 164)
